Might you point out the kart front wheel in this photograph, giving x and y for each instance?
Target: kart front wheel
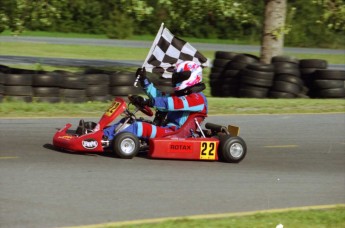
(232, 149)
(126, 145)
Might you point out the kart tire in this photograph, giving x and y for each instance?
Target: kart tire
(232, 149)
(126, 145)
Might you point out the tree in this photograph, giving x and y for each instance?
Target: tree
(274, 28)
(16, 15)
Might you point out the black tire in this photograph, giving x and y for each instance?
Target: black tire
(246, 58)
(97, 90)
(122, 79)
(73, 81)
(329, 74)
(220, 63)
(2, 78)
(277, 94)
(232, 149)
(286, 70)
(126, 145)
(286, 87)
(256, 81)
(5, 69)
(225, 55)
(97, 79)
(73, 99)
(106, 98)
(26, 99)
(313, 63)
(46, 91)
(257, 74)
(261, 67)
(236, 65)
(18, 79)
(331, 93)
(285, 58)
(285, 65)
(289, 78)
(50, 80)
(307, 72)
(47, 99)
(217, 70)
(73, 93)
(328, 84)
(252, 92)
(125, 90)
(230, 74)
(18, 90)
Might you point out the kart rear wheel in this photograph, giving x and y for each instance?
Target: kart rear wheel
(126, 145)
(232, 149)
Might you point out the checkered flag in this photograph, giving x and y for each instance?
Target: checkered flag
(167, 50)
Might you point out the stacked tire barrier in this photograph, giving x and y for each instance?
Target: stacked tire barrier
(242, 75)
(64, 86)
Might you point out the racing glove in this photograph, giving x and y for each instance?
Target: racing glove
(142, 101)
(141, 76)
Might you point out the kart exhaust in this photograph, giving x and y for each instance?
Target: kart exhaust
(217, 128)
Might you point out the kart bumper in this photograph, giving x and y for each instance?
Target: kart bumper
(91, 142)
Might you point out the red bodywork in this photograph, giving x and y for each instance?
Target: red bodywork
(91, 142)
(176, 145)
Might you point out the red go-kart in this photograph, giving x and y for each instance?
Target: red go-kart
(190, 142)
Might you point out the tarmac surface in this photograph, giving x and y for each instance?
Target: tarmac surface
(292, 160)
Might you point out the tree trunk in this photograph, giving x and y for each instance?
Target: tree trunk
(273, 32)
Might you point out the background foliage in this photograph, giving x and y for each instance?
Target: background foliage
(309, 23)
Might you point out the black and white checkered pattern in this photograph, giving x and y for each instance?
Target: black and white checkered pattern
(167, 50)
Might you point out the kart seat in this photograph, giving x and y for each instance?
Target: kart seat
(185, 130)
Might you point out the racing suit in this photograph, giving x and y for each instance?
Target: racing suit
(178, 108)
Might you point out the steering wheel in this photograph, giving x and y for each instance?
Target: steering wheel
(144, 109)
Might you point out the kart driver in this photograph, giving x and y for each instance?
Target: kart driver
(186, 99)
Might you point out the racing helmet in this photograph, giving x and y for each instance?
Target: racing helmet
(186, 74)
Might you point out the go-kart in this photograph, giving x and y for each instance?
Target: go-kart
(190, 142)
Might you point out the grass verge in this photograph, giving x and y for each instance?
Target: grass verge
(217, 106)
(114, 53)
(319, 217)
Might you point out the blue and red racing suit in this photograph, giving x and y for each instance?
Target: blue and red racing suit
(178, 107)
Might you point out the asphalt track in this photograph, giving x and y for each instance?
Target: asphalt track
(292, 161)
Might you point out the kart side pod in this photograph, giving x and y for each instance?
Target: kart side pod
(184, 149)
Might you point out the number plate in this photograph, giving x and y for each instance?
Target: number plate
(112, 108)
(208, 150)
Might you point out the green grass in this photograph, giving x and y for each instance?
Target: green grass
(327, 217)
(217, 106)
(114, 53)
